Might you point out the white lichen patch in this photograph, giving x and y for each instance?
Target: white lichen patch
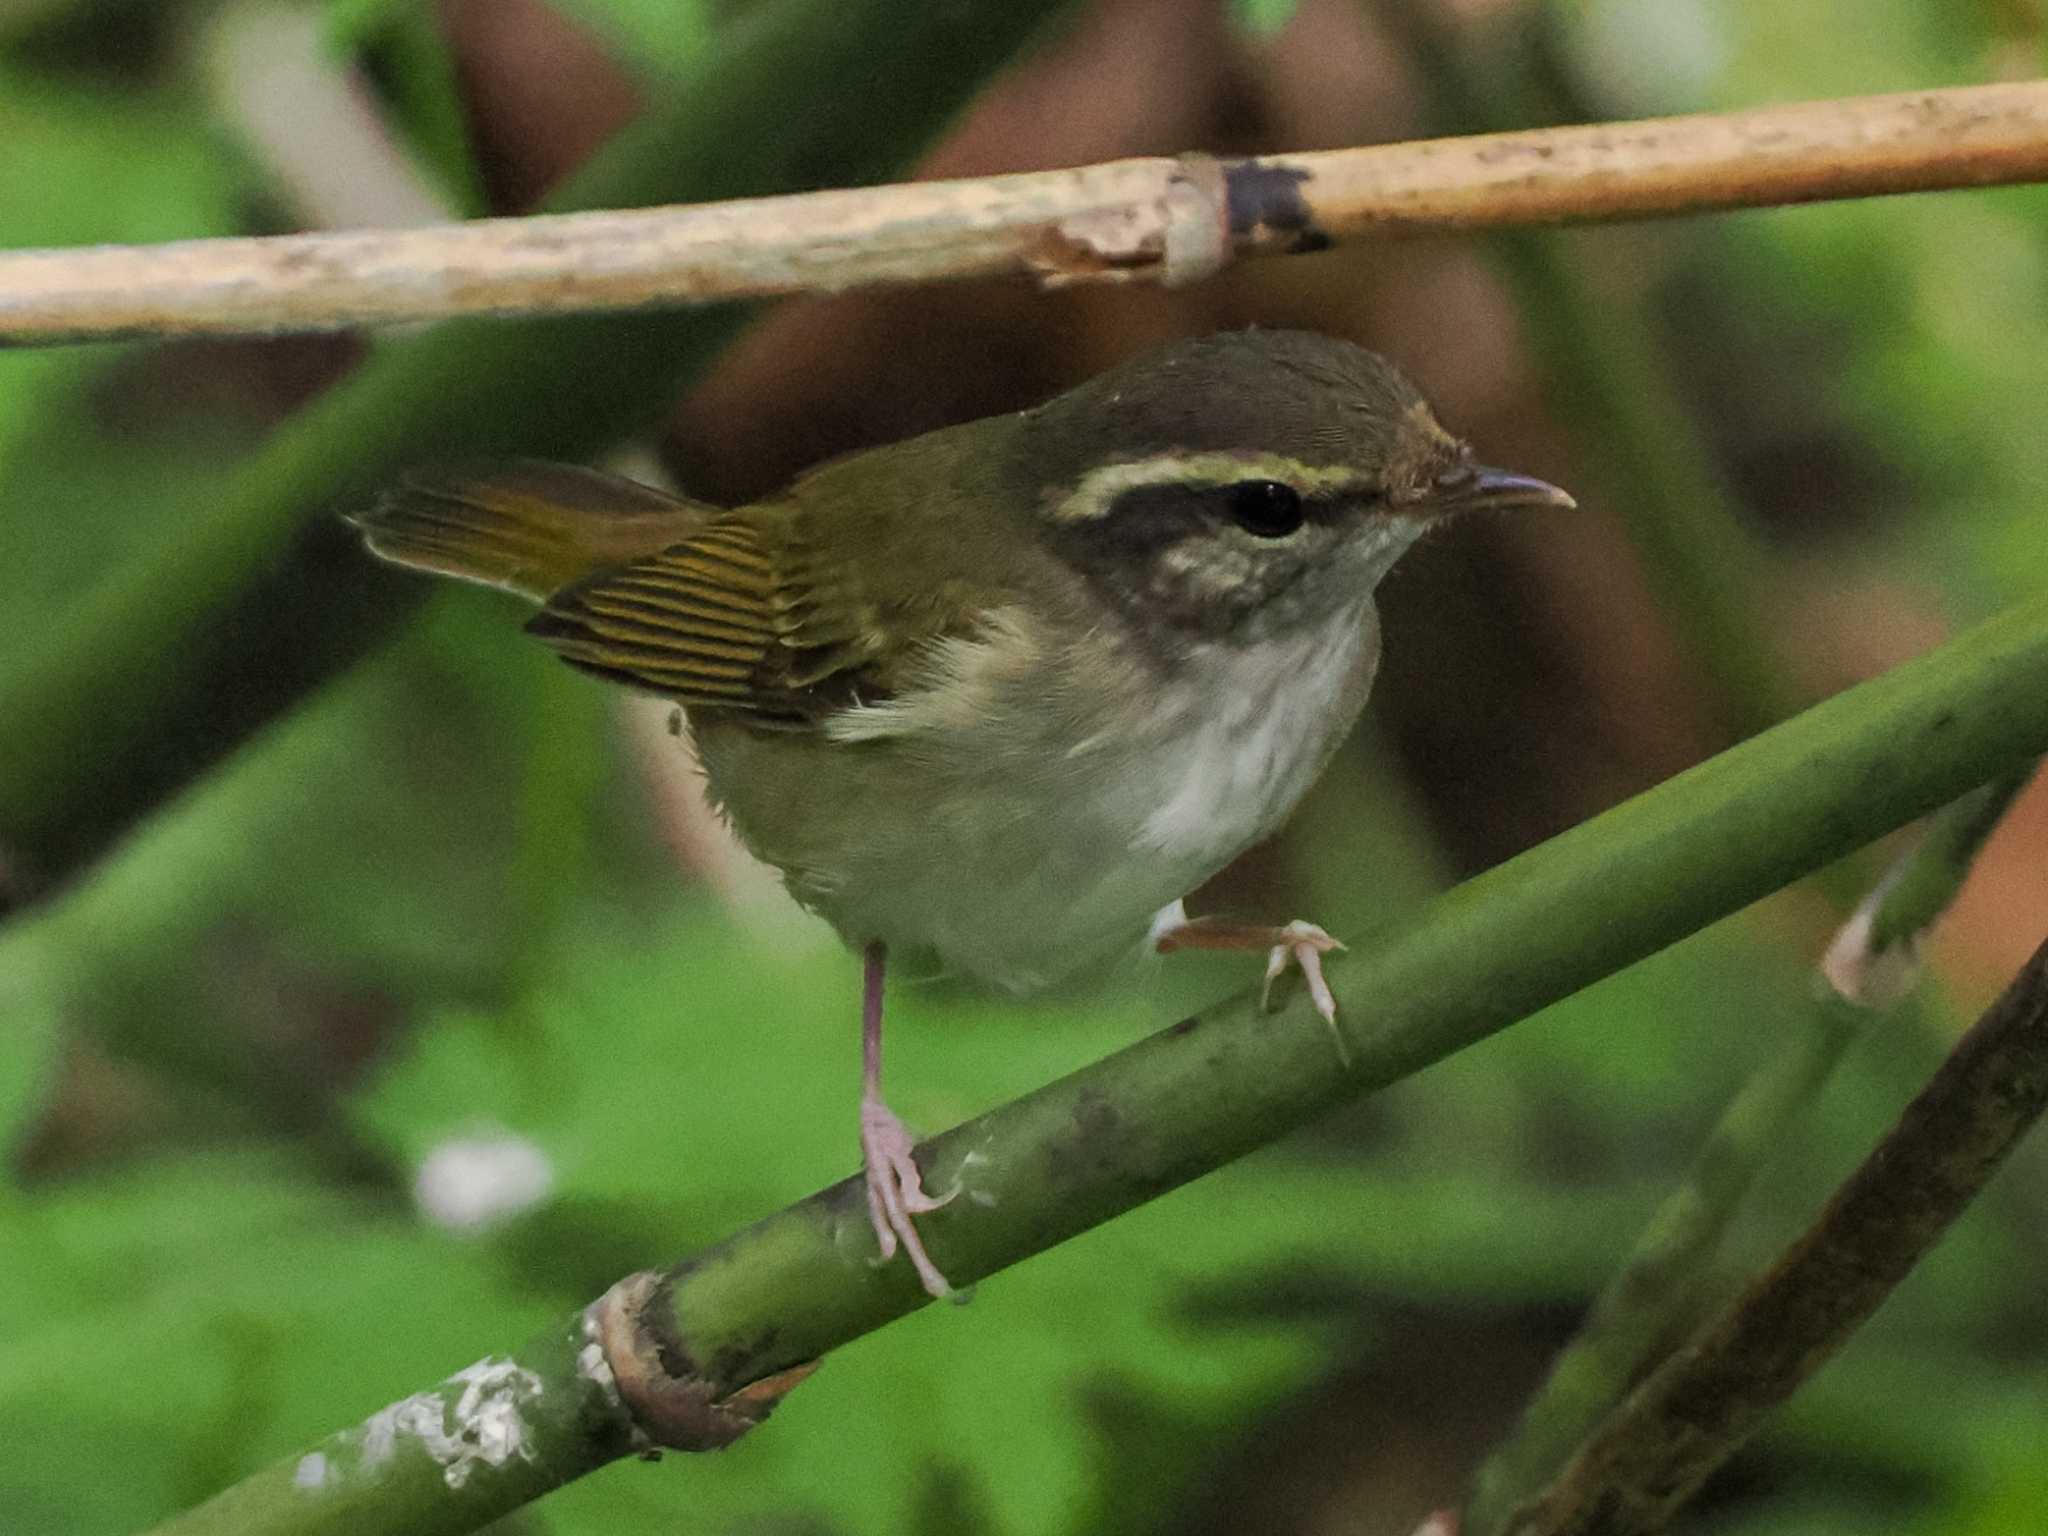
(486, 1428)
(311, 1472)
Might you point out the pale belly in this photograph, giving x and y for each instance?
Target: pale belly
(1017, 857)
(1048, 890)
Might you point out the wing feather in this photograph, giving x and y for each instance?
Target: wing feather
(732, 617)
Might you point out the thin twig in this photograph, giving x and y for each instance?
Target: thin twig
(1171, 220)
(1697, 1409)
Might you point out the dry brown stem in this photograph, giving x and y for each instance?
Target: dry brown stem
(1169, 220)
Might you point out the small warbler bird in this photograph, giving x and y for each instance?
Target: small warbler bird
(999, 696)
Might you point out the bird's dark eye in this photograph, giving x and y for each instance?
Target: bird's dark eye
(1264, 507)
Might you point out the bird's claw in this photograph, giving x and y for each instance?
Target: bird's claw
(896, 1191)
(1304, 944)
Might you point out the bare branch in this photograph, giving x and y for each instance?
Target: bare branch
(1168, 220)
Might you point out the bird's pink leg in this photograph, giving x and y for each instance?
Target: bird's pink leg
(895, 1188)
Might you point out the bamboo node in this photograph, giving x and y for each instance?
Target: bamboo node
(657, 1378)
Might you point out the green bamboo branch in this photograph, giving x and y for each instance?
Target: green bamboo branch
(1867, 976)
(793, 1287)
(222, 623)
(1697, 1409)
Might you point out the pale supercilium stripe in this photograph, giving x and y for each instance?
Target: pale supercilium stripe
(1100, 488)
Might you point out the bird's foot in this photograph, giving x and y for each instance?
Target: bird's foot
(896, 1190)
(1297, 943)
(1304, 944)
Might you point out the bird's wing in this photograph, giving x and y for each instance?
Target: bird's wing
(739, 616)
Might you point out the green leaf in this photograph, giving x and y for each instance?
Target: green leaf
(99, 445)
(184, 1322)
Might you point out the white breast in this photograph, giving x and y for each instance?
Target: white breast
(1263, 727)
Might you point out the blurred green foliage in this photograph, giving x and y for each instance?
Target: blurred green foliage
(87, 161)
(1263, 17)
(28, 1056)
(655, 35)
(1925, 313)
(651, 35)
(444, 858)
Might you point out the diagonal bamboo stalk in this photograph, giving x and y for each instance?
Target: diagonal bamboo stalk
(1171, 220)
(786, 1291)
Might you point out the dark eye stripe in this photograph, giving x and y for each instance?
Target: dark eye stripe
(1147, 518)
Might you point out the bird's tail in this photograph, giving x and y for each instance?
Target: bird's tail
(527, 526)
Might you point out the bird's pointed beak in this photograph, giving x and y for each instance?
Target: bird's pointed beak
(1486, 489)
